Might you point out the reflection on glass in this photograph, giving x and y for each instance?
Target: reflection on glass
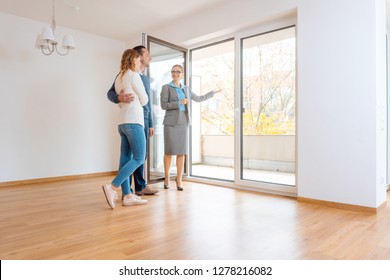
(163, 58)
(268, 107)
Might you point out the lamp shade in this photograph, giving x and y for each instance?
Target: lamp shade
(47, 34)
(68, 42)
(41, 43)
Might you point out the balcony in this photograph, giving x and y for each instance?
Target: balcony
(266, 158)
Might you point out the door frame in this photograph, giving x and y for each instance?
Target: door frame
(146, 41)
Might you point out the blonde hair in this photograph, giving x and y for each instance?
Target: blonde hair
(127, 62)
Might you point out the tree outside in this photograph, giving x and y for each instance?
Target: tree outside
(268, 89)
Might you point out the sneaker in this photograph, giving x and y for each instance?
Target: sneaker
(110, 194)
(133, 200)
(147, 191)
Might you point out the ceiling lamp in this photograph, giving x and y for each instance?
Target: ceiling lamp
(47, 41)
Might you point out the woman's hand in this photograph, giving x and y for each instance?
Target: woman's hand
(218, 90)
(184, 101)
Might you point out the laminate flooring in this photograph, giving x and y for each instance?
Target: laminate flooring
(70, 220)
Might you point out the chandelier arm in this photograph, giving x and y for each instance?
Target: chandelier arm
(51, 50)
(63, 54)
(49, 53)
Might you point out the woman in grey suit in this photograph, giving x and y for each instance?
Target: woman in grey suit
(174, 100)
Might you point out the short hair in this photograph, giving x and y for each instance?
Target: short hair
(140, 49)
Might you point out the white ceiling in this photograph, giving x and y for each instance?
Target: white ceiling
(117, 19)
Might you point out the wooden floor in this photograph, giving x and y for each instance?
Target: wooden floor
(71, 220)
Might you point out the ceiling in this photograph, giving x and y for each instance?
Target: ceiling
(117, 19)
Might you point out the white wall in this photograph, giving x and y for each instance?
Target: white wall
(381, 97)
(341, 90)
(55, 119)
(388, 90)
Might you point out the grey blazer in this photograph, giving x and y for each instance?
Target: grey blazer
(170, 103)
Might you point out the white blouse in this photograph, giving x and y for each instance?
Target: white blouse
(132, 112)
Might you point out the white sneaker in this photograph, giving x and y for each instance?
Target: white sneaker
(133, 200)
(110, 194)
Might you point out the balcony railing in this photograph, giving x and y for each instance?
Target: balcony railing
(266, 158)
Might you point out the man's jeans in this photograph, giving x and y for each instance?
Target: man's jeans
(139, 180)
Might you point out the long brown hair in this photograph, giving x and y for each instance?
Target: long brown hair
(127, 62)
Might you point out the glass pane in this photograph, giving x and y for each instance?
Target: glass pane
(163, 58)
(212, 138)
(268, 113)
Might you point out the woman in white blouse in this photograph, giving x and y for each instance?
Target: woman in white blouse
(131, 130)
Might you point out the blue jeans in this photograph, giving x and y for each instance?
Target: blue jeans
(139, 180)
(133, 149)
